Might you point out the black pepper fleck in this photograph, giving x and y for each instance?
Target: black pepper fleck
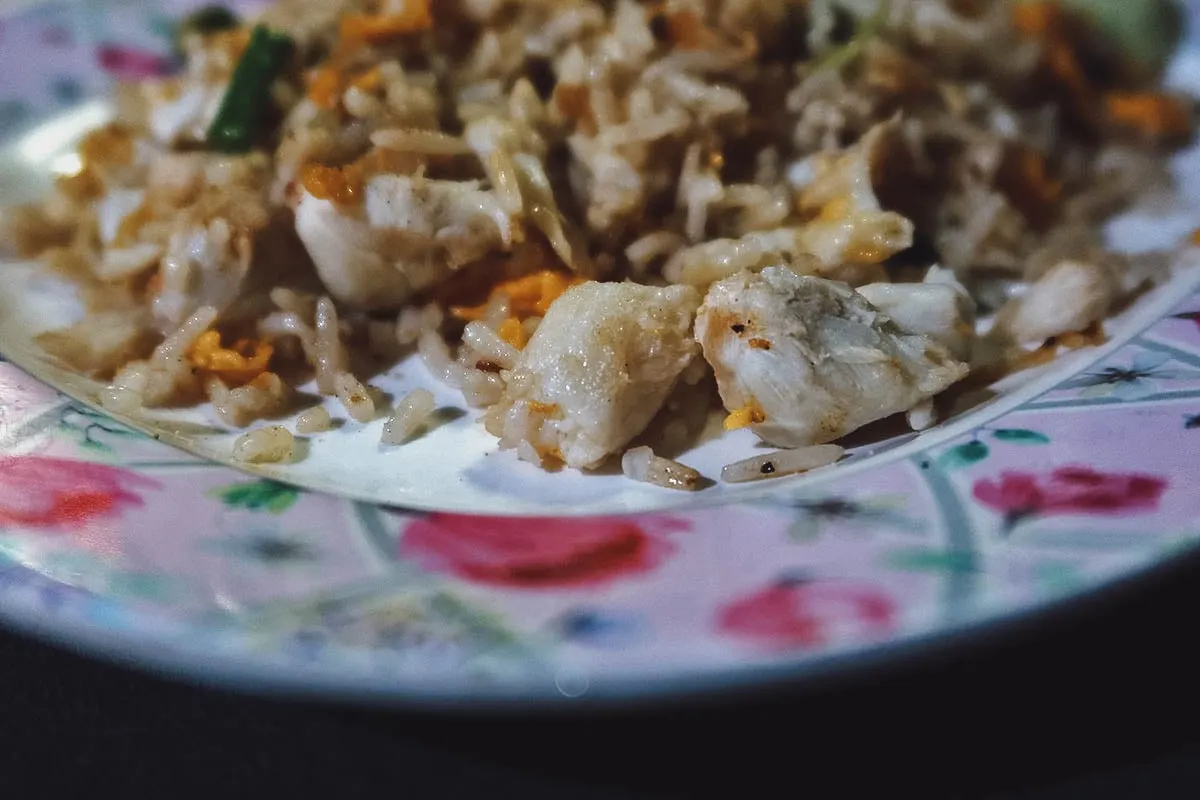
(767, 468)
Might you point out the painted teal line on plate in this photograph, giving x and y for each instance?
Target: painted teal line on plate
(1093, 402)
(1174, 352)
(961, 585)
(377, 534)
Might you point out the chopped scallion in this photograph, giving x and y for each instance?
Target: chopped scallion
(239, 121)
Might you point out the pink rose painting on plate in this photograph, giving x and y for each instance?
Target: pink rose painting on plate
(533, 553)
(1069, 490)
(51, 493)
(796, 614)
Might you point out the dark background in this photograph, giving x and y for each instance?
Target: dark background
(1099, 700)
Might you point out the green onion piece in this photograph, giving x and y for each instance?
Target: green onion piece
(848, 53)
(239, 120)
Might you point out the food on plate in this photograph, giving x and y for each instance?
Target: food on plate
(807, 360)
(590, 218)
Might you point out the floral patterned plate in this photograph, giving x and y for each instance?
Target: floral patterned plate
(116, 542)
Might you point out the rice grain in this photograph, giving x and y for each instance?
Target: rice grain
(488, 344)
(641, 464)
(782, 462)
(410, 416)
(271, 445)
(315, 420)
(354, 397)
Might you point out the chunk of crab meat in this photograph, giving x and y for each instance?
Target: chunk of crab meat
(807, 360)
(204, 265)
(599, 367)
(408, 234)
(1070, 297)
(939, 307)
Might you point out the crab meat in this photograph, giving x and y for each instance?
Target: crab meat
(204, 265)
(1071, 296)
(408, 234)
(598, 369)
(940, 308)
(803, 360)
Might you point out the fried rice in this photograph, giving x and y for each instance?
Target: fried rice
(589, 216)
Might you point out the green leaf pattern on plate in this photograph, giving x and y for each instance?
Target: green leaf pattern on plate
(262, 495)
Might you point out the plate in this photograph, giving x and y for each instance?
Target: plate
(449, 573)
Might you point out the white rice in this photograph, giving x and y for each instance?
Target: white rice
(436, 354)
(413, 321)
(315, 420)
(304, 305)
(283, 324)
(489, 346)
(175, 347)
(241, 406)
(481, 389)
(265, 446)
(418, 141)
(410, 416)
(330, 353)
(922, 416)
(497, 310)
(354, 397)
(643, 252)
(641, 464)
(782, 462)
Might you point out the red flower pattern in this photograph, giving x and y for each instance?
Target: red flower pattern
(533, 553)
(50, 493)
(130, 63)
(802, 614)
(1071, 490)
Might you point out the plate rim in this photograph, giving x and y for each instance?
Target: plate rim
(234, 671)
(252, 677)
